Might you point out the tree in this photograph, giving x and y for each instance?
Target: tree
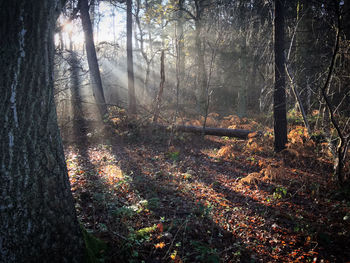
(131, 87)
(200, 56)
(148, 58)
(199, 46)
(180, 42)
(280, 116)
(304, 51)
(38, 221)
(94, 70)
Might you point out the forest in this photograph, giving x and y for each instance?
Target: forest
(175, 131)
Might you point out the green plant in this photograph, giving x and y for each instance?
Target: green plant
(279, 193)
(174, 155)
(205, 253)
(202, 210)
(124, 212)
(94, 247)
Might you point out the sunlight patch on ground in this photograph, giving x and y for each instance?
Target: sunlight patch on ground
(104, 164)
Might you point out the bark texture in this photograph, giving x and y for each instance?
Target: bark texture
(37, 215)
(280, 115)
(94, 70)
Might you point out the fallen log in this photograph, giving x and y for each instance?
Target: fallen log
(237, 133)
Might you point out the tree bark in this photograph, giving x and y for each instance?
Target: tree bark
(131, 87)
(37, 215)
(94, 70)
(280, 116)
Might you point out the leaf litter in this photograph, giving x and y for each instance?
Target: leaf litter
(206, 199)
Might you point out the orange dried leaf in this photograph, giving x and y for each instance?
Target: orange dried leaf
(252, 134)
(159, 245)
(160, 227)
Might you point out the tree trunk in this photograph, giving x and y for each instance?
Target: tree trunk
(131, 87)
(201, 78)
(161, 89)
(346, 19)
(201, 71)
(304, 51)
(242, 91)
(280, 116)
(92, 58)
(37, 215)
(181, 43)
(76, 101)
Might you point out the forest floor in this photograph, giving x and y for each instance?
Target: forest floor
(154, 196)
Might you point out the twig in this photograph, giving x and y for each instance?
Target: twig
(172, 242)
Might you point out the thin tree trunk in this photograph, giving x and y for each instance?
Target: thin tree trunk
(201, 71)
(343, 143)
(143, 52)
(180, 42)
(161, 88)
(242, 91)
(304, 50)
(299, 102)
(150, 42)
(131, 87)
(38, 221)
(280, 116)
(94, 70)
(146, 81)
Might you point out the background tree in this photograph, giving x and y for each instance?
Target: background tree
(130, 63)
(280, 116)
(92, 58)
(38, 221)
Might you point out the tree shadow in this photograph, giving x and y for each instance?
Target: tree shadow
(204, 216)
(88, 188)
(185, 218)
(291, 213)
(288, 223)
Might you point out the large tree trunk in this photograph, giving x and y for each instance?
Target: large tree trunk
(37, 215)
(280, 116)
(94, 70)
(131, 87)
